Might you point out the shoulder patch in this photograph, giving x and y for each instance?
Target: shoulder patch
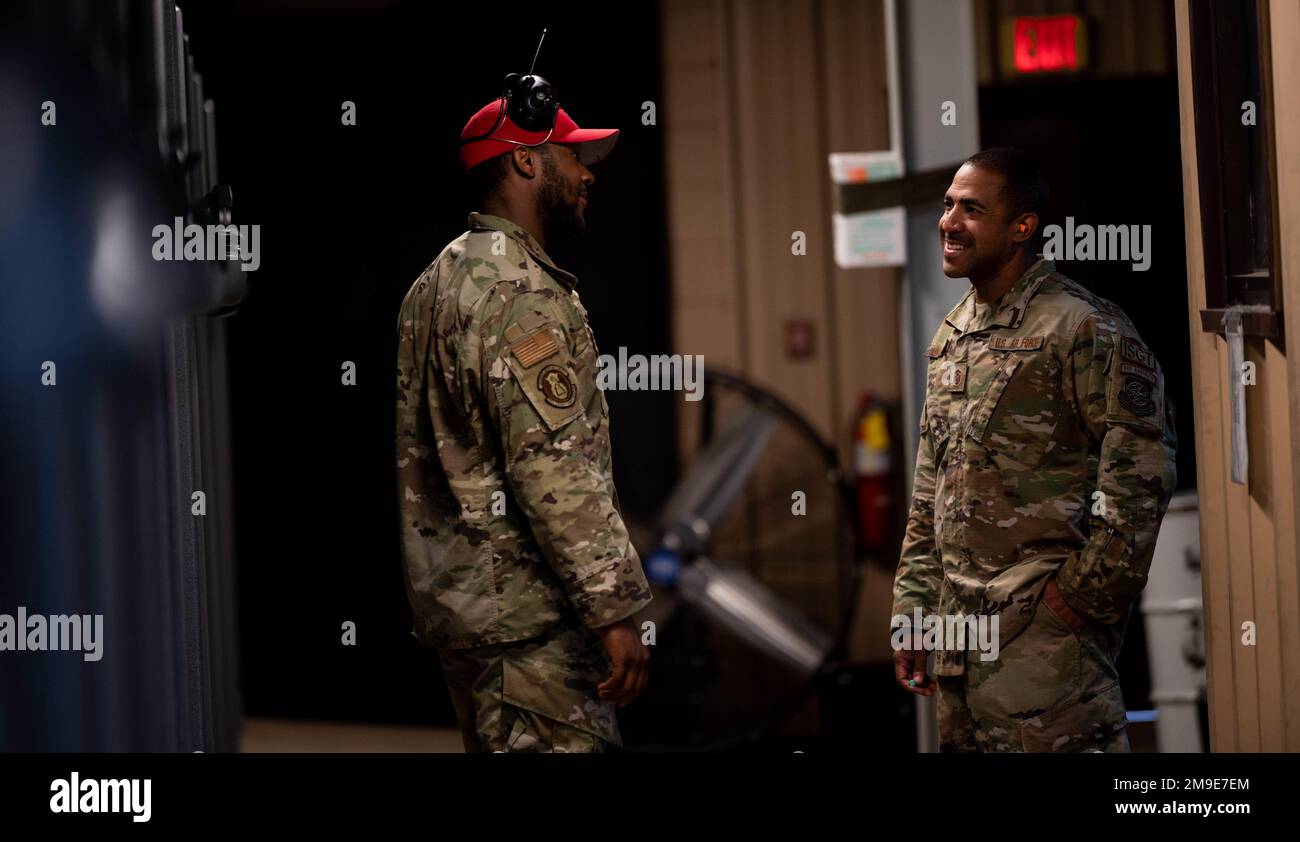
(535, 347)
(1138, 371)
(551, 391)
(557, 387)
(522, 325)
(1136, 395)
(1135, 352)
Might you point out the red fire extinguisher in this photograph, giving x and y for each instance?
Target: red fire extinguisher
(873, 463)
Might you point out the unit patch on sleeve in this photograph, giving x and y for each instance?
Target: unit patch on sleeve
(556, 386)
(1136, 395)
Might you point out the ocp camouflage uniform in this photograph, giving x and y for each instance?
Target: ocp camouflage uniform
(512, 540)
(1046, 448)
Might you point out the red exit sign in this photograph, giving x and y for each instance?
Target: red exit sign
(1055, 44)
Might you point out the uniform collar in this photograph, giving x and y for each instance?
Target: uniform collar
(1009, 311)
(484, 221)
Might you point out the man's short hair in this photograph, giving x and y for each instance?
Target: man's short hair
(1024, 189)
(485, 179)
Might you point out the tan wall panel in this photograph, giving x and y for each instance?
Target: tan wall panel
(1249, 534)
(1220, 629)
(699, 161)
(756, 95)
(781, 171)
(1221, 632)
(867, 302)
(781, 167)
(738, 191)
(1284, 22)
(692, 31)
(714, 332)
(701, 259)
(1261, 577)
(856, 90)
(1275, 544)
(706, 287)
(1240, 593)
(695, 88)
(864, 301)
(1211, 454)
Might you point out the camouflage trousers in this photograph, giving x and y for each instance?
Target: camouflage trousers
(1051, 689)
(534, 695)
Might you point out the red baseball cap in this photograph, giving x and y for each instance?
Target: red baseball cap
(593, 144)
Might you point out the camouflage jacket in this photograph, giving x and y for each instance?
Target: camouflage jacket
(1046, 447)
(509, 515)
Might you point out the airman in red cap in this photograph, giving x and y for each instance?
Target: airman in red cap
(519, 567)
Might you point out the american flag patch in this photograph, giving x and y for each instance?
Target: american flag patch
(535, 347)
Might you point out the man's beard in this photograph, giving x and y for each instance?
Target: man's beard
(560, 218)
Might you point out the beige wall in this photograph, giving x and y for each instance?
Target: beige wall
(756, 95)
(1248, 533)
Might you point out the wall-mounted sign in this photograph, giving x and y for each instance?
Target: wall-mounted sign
(1034, 45)
(871, 238)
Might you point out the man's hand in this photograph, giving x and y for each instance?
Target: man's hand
(909, 669)
(630, 660)
(1056, 602)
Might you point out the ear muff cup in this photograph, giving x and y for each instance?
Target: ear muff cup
(531, 102)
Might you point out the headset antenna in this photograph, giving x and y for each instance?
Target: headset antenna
(539, 52)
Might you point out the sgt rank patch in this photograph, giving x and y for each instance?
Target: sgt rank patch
(1135, 352)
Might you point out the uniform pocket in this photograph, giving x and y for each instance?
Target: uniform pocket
(1016, 419)
(1035, 675)
(566, 740)
(1093, 712)
(556, 676)
(1051, 639)
(982, 412)
(1056, 619)
(1095, 717)
(935, 409)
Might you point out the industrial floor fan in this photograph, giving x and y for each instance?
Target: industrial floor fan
(755, 569)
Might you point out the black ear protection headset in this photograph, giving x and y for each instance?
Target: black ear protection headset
(530, 103)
